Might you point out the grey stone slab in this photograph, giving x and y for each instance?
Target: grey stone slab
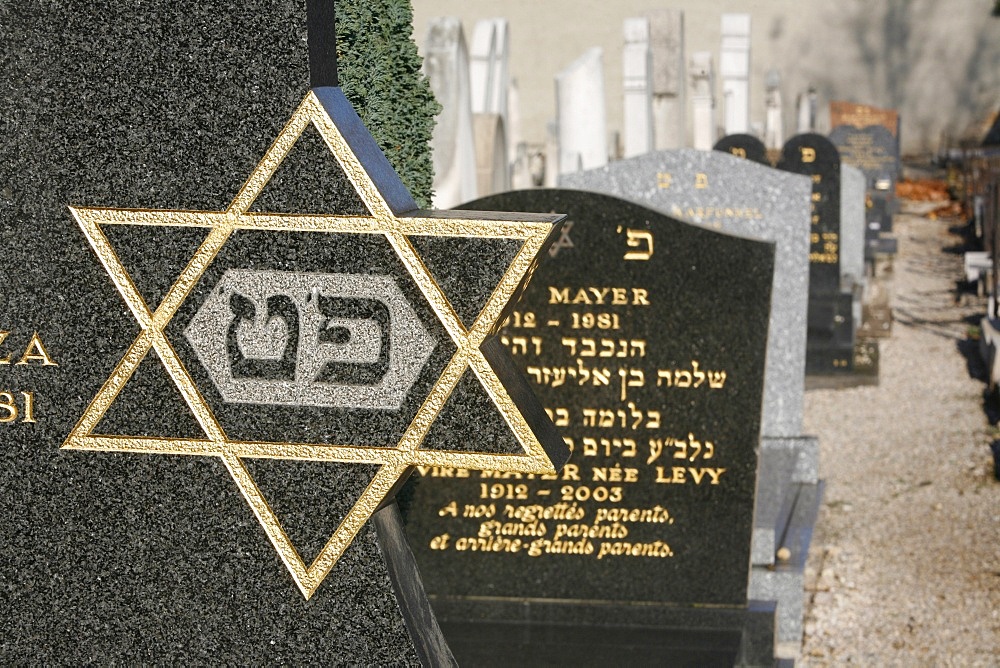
(852, 226)
(785, 465)
(785, 582)
(786, 587)
(720, 191)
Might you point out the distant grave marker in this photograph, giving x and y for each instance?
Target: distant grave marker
(830, 343)
(743, 146)
(868, 138)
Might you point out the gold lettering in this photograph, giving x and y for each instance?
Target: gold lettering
(7, 404)
(808, 154)
(557, 296)
(700, 180)
(681, 475)
(625, 549)
(3, 337)
(41, 355)
(640, 297)
(440, 542)
(663, 180)
(642, 239)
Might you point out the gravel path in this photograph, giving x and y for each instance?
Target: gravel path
(905, 561)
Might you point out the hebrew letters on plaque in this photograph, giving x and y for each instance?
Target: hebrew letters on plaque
(334, 340)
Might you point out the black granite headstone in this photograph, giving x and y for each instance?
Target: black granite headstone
(868, 138)
(645, 338)
(192, 341)
(743, 146)
(830, 340)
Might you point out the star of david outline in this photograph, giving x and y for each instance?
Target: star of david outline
(393, 215)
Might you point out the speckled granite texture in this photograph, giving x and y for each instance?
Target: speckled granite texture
(720, 191)
(115, 558)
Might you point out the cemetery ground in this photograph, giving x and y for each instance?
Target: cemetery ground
(904, 567)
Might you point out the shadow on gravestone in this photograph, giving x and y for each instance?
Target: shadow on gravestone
(123, 553)
(645, 339)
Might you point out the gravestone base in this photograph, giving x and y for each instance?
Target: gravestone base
(783, 582)
(537, 633)
(788, 497)
(785, 465)
(864, 369)
(883, 244)
(876, 321)
(830, 345)
(876, 314)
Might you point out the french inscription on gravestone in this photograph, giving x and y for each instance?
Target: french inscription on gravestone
(293, 341)
(741, 197)
(645, 339)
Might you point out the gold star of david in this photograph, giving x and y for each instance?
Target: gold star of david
(393, 215)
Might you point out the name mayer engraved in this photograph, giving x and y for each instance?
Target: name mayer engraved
(306, 339)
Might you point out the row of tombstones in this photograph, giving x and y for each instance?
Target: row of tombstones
(673, 357)
(976, 178)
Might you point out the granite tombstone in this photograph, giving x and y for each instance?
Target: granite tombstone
(830, 342)
(853, 199)
(645, 339)
(868, 138)
(718, 191)
(743, 146)
(285, 335)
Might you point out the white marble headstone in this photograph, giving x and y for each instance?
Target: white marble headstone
(637, 88)
(582, 120)
(666, 41)
(774, 120)
(446, 63)
(734, 69)
(702, 100)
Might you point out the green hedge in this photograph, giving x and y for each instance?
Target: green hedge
(380, 74)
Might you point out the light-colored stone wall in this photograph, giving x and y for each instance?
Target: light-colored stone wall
(937, 61)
